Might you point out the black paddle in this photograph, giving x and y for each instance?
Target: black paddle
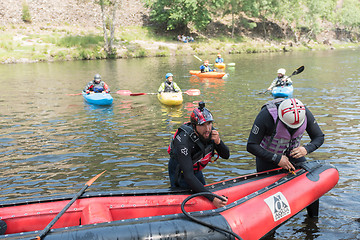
(297, 71)
(47, 228)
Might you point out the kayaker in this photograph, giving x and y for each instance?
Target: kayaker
(97, 85)
(191, 149)
(219, 59)
(276, 134)
(205, 67)
(280, 80)
(169, 85)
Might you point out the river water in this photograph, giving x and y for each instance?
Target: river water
(52, 143)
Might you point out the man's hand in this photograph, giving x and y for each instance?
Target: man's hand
(285, 163)
(215, 136)
(219, 203)
(298, 152)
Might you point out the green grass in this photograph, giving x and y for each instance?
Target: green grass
(80, 41)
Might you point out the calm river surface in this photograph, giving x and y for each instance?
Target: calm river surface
(52, 143)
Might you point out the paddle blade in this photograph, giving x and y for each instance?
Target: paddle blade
(74, 94)
(91, 181)
(231, 64)
(124, 92)
(193, 92)
(298, 70)
(137, 94)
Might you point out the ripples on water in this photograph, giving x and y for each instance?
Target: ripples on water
(52, 143)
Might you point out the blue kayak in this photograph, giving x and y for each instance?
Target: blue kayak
(98, 98)
(283, 91)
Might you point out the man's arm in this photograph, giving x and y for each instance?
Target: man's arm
(161, 88)
(263, 125)
(176, 87)
(316, 135)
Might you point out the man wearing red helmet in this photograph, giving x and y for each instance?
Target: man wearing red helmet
(276, 134)
(191, 150)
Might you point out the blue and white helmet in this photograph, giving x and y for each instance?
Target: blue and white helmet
(168, 75)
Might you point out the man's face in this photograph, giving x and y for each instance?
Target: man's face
(170, 79)
(206, 63)
(204, 130)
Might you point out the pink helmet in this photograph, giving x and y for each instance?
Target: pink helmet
(292, 112)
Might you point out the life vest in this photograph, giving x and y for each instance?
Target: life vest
(98, 87)
(201, 158)
(207, 68)
(169, 87)
(280, 82)
(281, 142)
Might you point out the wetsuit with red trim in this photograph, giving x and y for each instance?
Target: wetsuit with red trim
(188, 156)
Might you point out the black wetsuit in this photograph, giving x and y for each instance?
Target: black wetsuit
(264, 125)
(182, 172)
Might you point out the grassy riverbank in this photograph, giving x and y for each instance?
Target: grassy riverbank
(27, 43)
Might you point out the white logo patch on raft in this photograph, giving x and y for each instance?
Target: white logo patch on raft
(278, 205)
(184, 151)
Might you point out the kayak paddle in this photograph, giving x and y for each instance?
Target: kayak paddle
(297, 71)
(73, 94)
(47, 228)
(190, 92)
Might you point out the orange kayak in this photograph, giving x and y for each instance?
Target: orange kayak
(207, 74)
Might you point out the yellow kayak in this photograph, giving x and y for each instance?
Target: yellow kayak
(220, 65)
(170, 98)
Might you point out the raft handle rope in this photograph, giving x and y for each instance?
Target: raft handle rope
(204, 223)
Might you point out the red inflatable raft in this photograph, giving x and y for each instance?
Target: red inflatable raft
(207, 74)
(258, 203)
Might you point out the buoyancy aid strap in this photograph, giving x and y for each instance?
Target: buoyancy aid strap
(272, 107)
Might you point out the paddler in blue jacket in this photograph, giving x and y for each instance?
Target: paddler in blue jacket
(276, 134)
(205, 67)
(219, 59)
(169, 85)
(96, 85)
(193, 146)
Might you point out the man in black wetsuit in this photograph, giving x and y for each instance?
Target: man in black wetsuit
(191, 150)
(276, 134)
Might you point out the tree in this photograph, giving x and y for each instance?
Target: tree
(349, 14)
(178, 14)
(108, 15)
(232, 7)
(317, 11)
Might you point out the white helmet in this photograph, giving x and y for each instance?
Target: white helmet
(292, 112)
(281, 71)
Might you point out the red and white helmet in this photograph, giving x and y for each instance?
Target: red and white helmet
(292, 112)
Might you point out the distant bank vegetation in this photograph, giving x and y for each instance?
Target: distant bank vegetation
(228, 26)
